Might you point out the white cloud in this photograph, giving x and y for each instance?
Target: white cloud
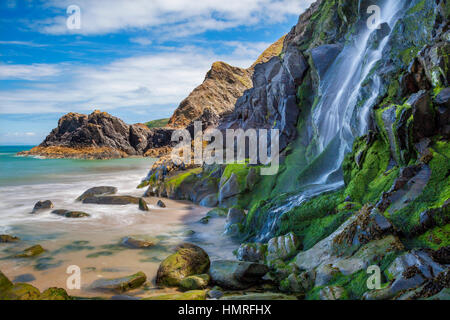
(141, 41)
(146, 81)
(173, 17)
(27, 72)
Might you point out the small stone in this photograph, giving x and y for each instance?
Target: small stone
(136, 244)
(160, 204)
(31, 252)
(215, 293)
(143, 205)
(42, 205)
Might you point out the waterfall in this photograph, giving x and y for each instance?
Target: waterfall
(337, 119)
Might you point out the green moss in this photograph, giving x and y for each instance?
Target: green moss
(188, 295)
(157, 123)
(367, 183)
(175, 181)
(435, 238)
(435, 193)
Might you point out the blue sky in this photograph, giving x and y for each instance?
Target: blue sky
(134, 59)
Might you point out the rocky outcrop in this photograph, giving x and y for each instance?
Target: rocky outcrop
(31, 252)
(188, 260)
(223, 84)
(99, 136)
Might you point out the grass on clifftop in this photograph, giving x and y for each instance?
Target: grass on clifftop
(157, 123)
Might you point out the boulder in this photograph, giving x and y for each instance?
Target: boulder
(42, 205)
(298, 283)
(161, 204)
(252, 252)
(136, 244)
(31, 252)
(236, 275)
(20, 291)
(235, 217)
(97, 191)
(55, 294)
(230, 188)
(143, 205)
(215, 293)
(282, 247)
(196, 282)
(120, 284)
(112, 200)
(71, 214)
(252, 178)
(6, 238)
(188, 260)
(423, 114)
(210, 201)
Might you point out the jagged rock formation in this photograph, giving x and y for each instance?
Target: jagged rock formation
(223, 84)
(218, 93)
(99, 136)
(364, 179)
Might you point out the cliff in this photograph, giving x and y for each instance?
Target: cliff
(364, 175)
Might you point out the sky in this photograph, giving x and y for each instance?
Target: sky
(136, 60)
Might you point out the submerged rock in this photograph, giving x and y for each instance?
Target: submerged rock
(42, 205)
(188, 260)
(6, 238)
(5, 283)
(143, 205)
(71, 214)
(112, 200)
(196, 282)
(97, 191)
(31, 252)
(120, 284)
(136, 244)
(237, 275)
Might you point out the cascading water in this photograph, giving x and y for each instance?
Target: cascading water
(337, 120)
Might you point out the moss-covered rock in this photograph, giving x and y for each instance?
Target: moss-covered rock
(188, 295)
(120, 284)
(196, 282)
(71, 214)
(5, 283)
(55, 294)
(31, 252)
(188, 260)
(143, 205)
(6, 238)
(20, 291)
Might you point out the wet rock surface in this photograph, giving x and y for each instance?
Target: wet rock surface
(236, 274)
(112, 200)
(42, 205)
(122, 284)
(97, 191)
(188, 260)
(71, 214)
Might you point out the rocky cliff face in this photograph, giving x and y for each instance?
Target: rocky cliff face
(99, 135)
(218, 93)
(364, 178)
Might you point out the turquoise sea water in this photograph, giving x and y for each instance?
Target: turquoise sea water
(17, 170)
